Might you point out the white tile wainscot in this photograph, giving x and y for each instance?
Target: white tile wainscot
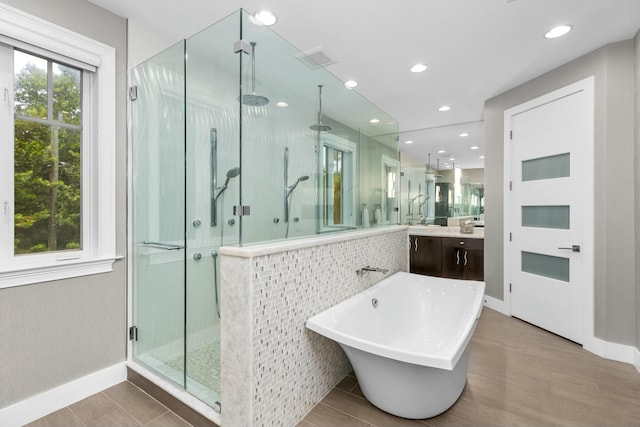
(274, 370)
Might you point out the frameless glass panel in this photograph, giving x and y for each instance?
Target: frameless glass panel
(212, 183)
(546, 217)
(549, 266)
(546, 167)
(158, 213)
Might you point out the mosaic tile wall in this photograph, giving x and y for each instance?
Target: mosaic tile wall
(293, 368)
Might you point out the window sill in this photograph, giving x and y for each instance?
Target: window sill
(60, 271)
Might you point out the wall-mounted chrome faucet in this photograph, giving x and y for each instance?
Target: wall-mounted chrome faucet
(363, 270)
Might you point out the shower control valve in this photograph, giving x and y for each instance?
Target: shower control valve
(197, 256)
(197, 223)
(231, 221)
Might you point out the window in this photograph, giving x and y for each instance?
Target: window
(338, 171)
(57, 152)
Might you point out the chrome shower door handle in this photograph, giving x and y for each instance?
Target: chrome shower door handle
(573, 248)
(160, 245)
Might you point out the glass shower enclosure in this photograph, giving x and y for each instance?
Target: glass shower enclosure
(238, 138)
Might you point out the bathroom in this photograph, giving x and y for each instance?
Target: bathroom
(92, 311)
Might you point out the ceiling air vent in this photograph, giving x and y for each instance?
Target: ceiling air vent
(315, 58)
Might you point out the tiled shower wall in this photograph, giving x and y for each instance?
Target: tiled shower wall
(274, 370)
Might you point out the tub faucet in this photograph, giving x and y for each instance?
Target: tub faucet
(363, 270)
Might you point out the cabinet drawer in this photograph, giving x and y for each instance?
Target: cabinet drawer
(456, 242)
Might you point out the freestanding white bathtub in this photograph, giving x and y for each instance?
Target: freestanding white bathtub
(407, 339)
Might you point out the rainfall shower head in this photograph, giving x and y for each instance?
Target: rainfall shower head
(252, 99)
(319, 126)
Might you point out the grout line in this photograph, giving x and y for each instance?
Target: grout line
(73, 414)
(122, 408)
(346, 413)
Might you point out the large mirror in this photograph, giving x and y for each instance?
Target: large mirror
(442, 175)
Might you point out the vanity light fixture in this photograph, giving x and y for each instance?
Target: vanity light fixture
(419, 68)
(281, 104)
(558, 31)
(264, 17)
(444, 108)
(374, 121)
(350, 84)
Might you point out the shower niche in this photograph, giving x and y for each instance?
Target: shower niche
(237, 140)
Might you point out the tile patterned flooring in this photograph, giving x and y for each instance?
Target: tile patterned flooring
(519, 375)
(123, 405)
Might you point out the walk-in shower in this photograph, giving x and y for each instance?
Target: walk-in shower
(207, 172)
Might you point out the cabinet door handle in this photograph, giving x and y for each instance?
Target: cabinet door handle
(415, 244)
(465, 257)
(457, 257)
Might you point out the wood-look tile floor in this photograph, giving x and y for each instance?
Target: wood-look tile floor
(519, 375)
(123, 405)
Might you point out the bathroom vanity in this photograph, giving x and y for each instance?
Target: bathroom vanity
(445, 252)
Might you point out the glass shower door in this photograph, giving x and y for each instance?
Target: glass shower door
(158, 229)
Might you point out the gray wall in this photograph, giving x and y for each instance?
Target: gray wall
(636, 99)
(55, 332)
(615, 185)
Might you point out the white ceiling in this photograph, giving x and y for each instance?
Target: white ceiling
(475, 49)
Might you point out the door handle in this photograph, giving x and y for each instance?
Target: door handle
(573, 248)
(465, 257)
(457, 257)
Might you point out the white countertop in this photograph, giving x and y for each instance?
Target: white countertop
(439, 231)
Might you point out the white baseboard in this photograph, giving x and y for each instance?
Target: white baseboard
(636, 359)
(496, 304)
(57, 398)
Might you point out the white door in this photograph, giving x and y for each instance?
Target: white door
(550, 192)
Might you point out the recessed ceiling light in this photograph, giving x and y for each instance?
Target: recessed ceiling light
(265, 17)
(558, 31)
(350, 84)
(441, 151)
(374, 121)
(408, 142)
(481, 157)
(452, 158)
(475, 147)
(463, 134)
(281, 104)
(444, 108)
(418, 68)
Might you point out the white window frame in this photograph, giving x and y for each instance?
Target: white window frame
(98, 156)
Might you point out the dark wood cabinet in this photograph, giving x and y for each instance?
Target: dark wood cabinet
(451, 257)
(425, 255)
(463, 258)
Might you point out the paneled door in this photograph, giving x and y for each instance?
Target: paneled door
(550, 204)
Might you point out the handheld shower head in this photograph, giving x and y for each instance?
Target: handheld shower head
(293, 187)
(231, 173)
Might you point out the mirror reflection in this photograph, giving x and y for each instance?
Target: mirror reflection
(442, 175)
